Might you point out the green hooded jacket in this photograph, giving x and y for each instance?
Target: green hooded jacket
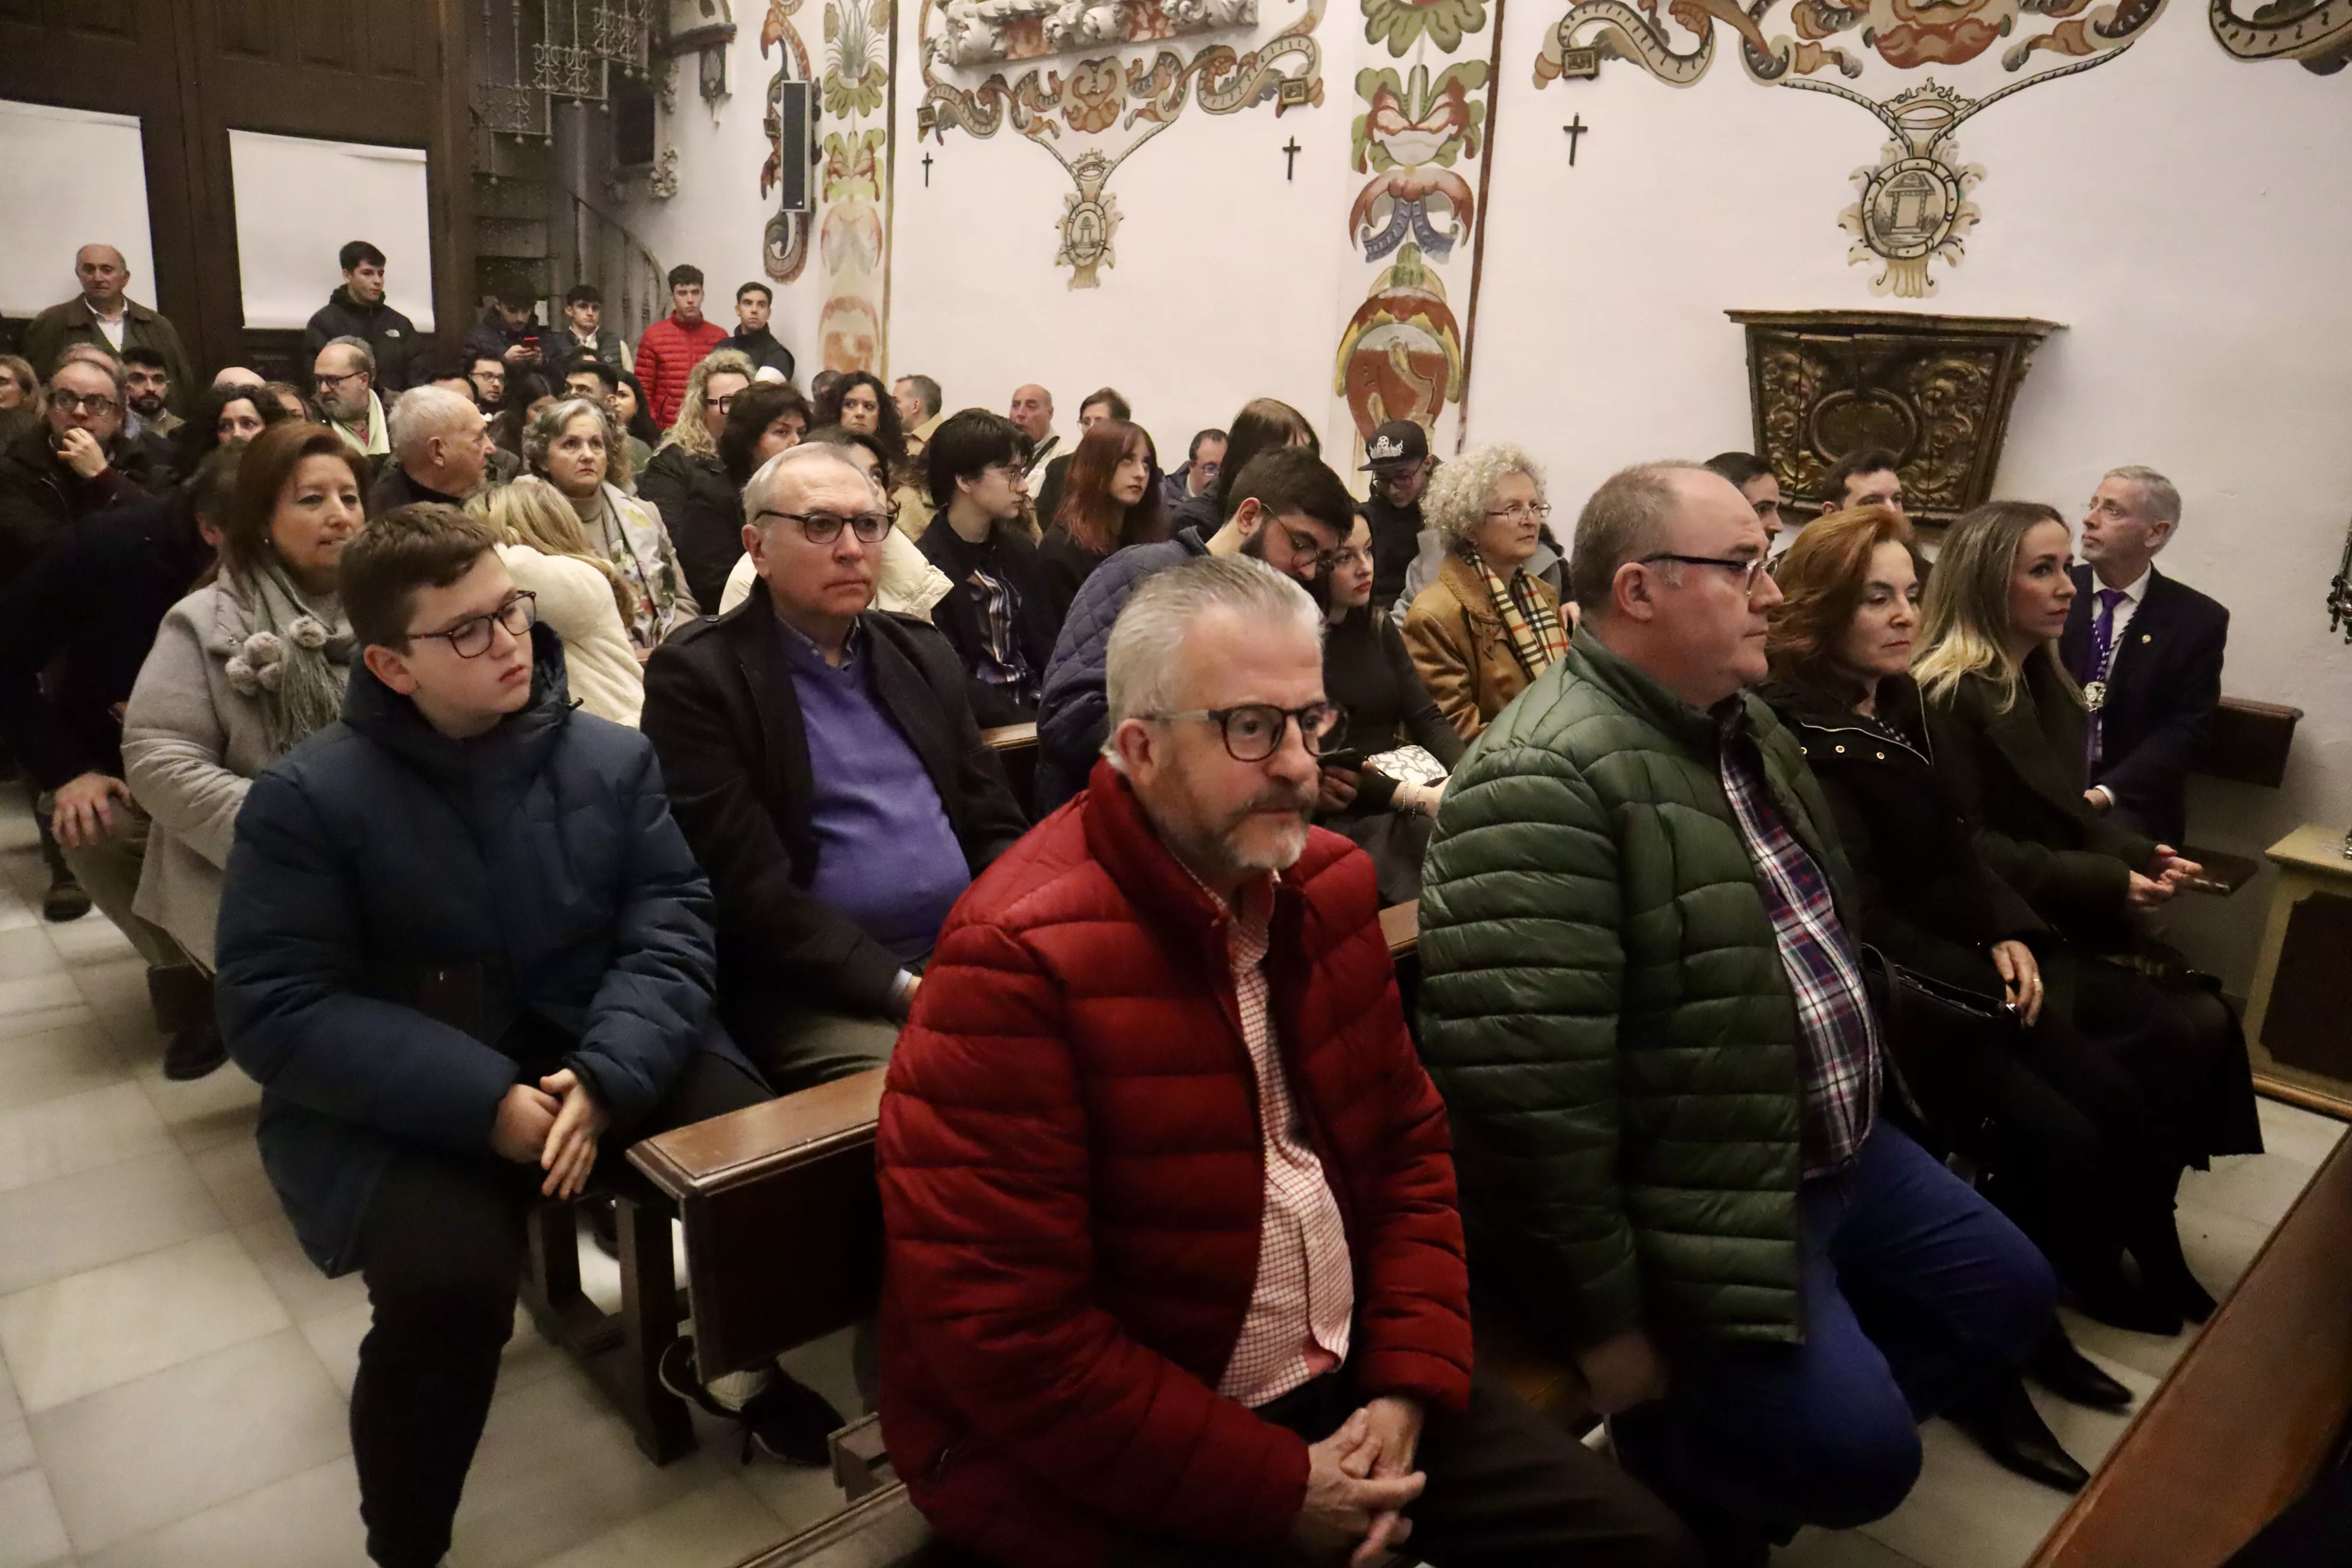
(1605, 1009)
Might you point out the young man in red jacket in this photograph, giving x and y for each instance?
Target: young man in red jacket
(668, 351)
(1174, 1260)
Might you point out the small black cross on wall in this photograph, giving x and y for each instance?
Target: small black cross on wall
(1290, 160)
(1576, 129)
(927, 170)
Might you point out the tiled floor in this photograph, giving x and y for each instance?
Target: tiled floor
(174, 1372)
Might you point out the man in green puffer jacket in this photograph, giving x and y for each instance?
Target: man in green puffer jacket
(1643, 1006)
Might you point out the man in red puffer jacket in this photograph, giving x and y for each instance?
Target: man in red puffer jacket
(668, 350)
(1174, 1261)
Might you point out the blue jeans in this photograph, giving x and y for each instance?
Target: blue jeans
(1916, 1293)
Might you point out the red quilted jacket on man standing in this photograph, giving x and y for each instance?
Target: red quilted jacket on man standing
(668, 353)
(1072, 1175)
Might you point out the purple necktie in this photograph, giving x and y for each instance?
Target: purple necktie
(2103, 655)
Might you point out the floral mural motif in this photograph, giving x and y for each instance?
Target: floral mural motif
(1401, 355)
(854, 185)
(784, 243)
(1100, 98)
(1913, 209)
(2315, 33)
(856, 75)
(976, 32)
(1424, 125)
(1401, 24)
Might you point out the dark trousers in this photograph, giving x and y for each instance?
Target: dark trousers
(1506, 1488)
(1916, 1293)
(2181, 1047)
(441, 1250)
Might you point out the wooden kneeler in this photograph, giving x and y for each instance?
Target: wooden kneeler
(620, 1351)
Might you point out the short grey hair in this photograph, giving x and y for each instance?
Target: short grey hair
(357, 345)
(927, 392)
(2159, 496)
(1460, 490)
(547, 428)
(1145, 661)
(423, 412)
(1624, 521)
(762, 486)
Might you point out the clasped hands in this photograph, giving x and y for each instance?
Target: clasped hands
(1360, 1480)
(556, 1124)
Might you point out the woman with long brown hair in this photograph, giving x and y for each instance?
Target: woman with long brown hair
(1111, 501)
(2056, 1117)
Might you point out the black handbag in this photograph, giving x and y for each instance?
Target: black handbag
(1949, 1045)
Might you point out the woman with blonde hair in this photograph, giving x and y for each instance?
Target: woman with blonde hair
(1486, 625)
(568, 444)
(582, 595)
(686, 481)
(2010, 732)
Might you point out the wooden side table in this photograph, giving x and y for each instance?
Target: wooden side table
(2299, 1011)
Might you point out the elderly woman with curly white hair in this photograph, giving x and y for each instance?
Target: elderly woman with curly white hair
(1488, 623)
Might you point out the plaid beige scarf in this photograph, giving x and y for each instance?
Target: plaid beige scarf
(1529, 620)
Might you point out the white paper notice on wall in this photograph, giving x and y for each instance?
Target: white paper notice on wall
(299, 200)
(68, 178)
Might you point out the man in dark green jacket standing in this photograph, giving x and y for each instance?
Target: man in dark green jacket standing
(1644, 1010)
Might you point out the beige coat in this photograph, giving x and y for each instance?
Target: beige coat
(1459, 645)
(600, 663)
(191, 746)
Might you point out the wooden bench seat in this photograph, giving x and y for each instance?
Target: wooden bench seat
(1016, 748)
(2247, 1417)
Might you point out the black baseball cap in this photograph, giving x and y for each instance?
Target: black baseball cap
(1399, 444)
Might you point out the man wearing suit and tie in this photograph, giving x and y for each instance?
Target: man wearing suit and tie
(2147, 650)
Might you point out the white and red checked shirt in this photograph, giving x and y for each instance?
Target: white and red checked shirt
(1305, 1297)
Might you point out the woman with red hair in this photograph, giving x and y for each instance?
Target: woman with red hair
(1111, 501)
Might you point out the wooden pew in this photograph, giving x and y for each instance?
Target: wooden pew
(2248, 1416)
(2246, 743)
(1016, 748)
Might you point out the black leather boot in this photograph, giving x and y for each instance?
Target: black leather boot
(2006, 1426)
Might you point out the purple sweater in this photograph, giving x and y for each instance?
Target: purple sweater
(887, 855)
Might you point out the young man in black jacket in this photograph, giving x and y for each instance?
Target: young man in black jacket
(822, 759)
(467, 956)
(358, 310)
(1000, 614)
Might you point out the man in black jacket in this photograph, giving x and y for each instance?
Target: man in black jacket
(440, 451)
(1396, 457)
(753, 339)
(85, 615)
(72, 465)
(824, 761)
(357, 309)
(2147, 651)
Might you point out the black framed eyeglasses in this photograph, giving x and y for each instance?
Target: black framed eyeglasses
(824, 527)
(472, 637)
(65, 401)
(1252, 731)
(329, 383)
(1750, 568)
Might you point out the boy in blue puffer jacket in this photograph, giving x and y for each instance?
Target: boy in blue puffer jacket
(467, 956)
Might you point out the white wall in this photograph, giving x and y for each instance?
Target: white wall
(68, 178)
(286, 257)
(2184, 215)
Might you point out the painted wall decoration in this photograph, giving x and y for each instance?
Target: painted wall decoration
(2317, 33)
(854, 185)
(1911, 207)
(973, 32)
(1403, 354)
(784, 243)
(1105, 100)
